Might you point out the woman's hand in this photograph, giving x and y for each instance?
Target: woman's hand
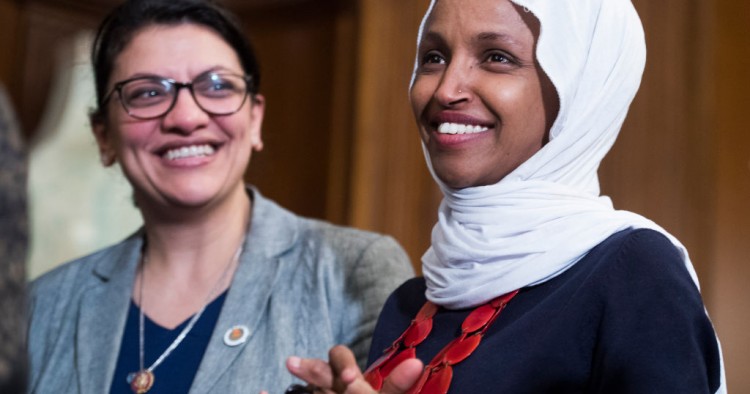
(341, 375)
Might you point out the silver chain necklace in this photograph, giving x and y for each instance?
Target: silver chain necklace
(142, 380)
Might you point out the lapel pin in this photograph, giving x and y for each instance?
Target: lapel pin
(236, 335)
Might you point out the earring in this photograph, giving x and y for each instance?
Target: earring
(107, 159)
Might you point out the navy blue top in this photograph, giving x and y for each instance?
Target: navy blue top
(627, 318)
(175, 374)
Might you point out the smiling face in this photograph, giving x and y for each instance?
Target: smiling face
(186, 158)
(482, 102)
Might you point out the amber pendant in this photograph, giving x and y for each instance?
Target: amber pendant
(141, 381)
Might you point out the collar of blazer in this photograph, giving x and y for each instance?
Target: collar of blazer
(103, 310)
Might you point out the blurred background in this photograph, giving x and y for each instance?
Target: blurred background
(341, 144)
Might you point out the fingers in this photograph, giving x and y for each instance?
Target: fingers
(313, 371)
(359, 386)
(403, 377)
(344, 365)
(342, 374)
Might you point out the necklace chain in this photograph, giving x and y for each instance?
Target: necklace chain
(136, 379)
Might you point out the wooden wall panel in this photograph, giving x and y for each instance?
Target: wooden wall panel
(730, 295)
(392, 191)
(338, 194)
(46, 29)
(298, 56)
(10, 26)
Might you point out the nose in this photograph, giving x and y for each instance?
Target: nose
(454, 87)
(185, 116)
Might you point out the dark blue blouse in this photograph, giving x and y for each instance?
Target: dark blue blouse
(175, 374)
(627, 318)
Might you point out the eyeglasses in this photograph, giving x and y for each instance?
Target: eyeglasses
(152, 97)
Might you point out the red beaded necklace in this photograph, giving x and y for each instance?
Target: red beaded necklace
(438, 374)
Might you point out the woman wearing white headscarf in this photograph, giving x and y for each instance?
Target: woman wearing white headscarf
(533, 282)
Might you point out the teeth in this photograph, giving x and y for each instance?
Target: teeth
(189, 151)
(456, 128)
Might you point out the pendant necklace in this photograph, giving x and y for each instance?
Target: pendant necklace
(142, 380)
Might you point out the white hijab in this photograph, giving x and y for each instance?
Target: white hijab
(547, 214)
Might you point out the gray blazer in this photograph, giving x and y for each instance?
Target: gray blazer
(301, 287)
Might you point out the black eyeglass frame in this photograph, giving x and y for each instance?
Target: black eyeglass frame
(177, 86)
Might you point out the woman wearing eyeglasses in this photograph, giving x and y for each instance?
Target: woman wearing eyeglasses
(221, 283)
